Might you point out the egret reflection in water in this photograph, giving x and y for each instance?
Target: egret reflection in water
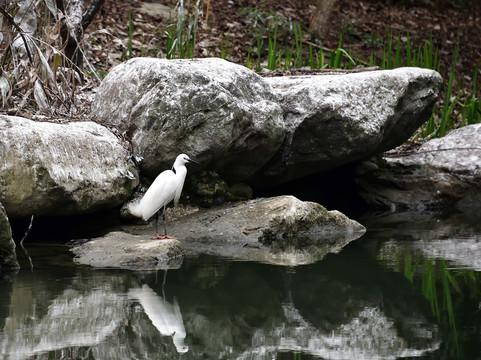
(166, 317)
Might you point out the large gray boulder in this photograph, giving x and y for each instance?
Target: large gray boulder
(337, 119)
(281, 230)
(220, 113)
(261, 130)
(8, 257)
(62, 169)
(442, 173)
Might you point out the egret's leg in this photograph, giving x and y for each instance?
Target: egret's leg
(165, 227)
(156, 226)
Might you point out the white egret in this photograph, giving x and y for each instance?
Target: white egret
(166, 317)
(166, 187)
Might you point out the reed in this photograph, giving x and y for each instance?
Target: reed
(272, 49)
(447, 109)
(224, 47)
(456, 101)
(130, 34)
(181, 36)
(298, 43)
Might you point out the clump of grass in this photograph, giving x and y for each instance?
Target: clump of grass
(286, 42)
(182, 35)
(458, 107)
(224, 47)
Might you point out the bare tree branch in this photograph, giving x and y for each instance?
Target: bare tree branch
(89, 14)
(75, 23)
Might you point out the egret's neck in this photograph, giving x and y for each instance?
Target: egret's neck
(180, 170)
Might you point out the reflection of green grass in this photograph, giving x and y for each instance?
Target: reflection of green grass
(439, 283)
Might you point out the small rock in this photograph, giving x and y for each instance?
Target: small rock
(121, 250)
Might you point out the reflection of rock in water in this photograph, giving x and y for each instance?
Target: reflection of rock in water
(463, 251)
(166, 317)
(370, 335)
(73, 319)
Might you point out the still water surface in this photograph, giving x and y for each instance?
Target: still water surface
(409, 288)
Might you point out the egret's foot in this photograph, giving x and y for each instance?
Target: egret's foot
(163, 237)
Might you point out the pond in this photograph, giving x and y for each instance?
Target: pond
(409, 288)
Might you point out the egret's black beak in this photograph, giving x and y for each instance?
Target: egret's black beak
(192, 161)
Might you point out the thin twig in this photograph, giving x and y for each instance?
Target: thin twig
(19, 29)
(23, 247)
(416, 152)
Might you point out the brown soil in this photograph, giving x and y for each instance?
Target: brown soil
(364, 26)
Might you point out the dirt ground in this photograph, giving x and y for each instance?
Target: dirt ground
(364, 26)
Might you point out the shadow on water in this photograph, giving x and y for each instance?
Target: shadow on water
(61, 229)
(409, 288)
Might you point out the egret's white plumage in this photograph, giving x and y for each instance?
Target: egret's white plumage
(166, 317)
(166, 187)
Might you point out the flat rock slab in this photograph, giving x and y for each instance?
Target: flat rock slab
(119, 249)
(442, 173)
(281, 230)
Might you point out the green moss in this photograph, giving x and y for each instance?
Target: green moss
(296, 230)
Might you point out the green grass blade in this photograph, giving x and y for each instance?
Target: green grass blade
(298, 41)
(312, 64)
(272, 49)
(389, 50)
(448, 105)
(372, 61)
(408, 50)
(131, 33)
(259, 51)
(320, 59)
(224, 48)
(397, 56)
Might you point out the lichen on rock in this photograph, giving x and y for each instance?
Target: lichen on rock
(307, 225)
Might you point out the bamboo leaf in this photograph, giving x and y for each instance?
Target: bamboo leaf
(40, 96)
(44, 61)
(52, 7)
